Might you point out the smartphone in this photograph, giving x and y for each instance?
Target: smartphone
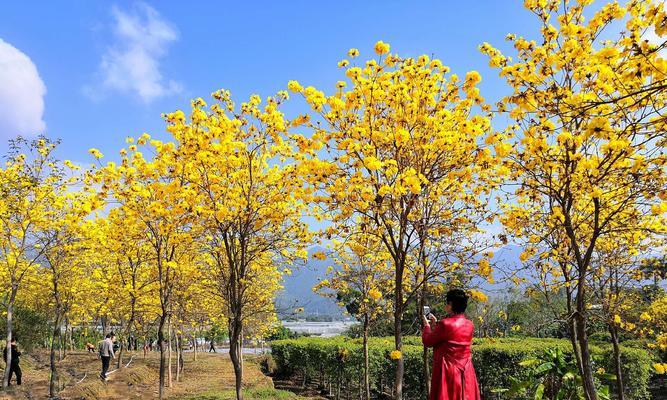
(427, 311)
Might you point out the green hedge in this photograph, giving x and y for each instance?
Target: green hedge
(340, 359)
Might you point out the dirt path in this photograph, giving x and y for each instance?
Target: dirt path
(80, 370)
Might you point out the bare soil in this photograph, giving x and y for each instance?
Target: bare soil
(79, 378)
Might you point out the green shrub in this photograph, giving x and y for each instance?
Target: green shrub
(340, 359)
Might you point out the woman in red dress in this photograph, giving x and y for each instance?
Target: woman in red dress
(453, 376)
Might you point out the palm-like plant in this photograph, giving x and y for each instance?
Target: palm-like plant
(554, 376)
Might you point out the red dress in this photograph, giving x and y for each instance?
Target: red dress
(453, 376)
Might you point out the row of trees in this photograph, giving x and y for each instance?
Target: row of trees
(404, 164)
(579, 173)
(195, 234)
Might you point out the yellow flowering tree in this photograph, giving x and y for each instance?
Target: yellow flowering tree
(362, 282)
(29, 181)
(125, 266)
(615, 279)
(589, 163)
(250, 203)
(65, 268)
(404, 131)
(154, 191)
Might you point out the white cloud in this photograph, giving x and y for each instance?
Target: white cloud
(131, 65)
(21, 94)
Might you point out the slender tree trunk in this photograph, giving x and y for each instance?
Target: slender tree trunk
(169, 349)
(182, 358)
(178, 358)
(398, 336)
(620, 389)
(71, 338)
(60, 346)
(194, 345)
(582, 337)
(119, 358)
(66, 340)
(10, 320)
(572, 327)
(236, 352)
(104, 326)
(161, 340)
(367, 383)
(53, 363)
(426, 365)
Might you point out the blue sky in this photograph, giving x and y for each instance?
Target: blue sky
(108, 70)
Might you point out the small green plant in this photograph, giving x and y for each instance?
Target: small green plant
(554, 376)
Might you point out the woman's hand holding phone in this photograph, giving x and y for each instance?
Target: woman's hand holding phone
(431, 319)
(425, 321)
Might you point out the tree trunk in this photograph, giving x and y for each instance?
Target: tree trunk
(367, 384)
(53, 378)
(572, 327)
(620, 389)
(178, 359)
(194, 345)
(169, 349)
(71, 338)
(119, 359)
(104, 326)
(10, 320)
(181, 357)
(160, 339)
(398, 336)
(426, 364)
(572, 323)
(582, 336)
(60, 346)
(236, 352)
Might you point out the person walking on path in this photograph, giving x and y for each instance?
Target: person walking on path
(106, 354)
(212, 348)
(453, 375)
(14, 367)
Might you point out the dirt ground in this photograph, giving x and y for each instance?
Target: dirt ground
(211, 373)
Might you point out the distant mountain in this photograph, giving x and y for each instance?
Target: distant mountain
(298, 290)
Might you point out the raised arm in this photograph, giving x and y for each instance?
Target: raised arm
(433, 336)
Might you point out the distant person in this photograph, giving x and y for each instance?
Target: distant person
(212, 348)
(14, 367)
(453, 375)
(106, 353)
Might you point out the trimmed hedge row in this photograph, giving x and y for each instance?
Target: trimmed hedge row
(340, 359)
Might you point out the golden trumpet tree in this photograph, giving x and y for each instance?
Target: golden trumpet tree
(363, 283)
(126, 268)
(405, 131)
(154, 192)
(615, 280)
(29, 181)
(65, 268)
(250, 203)
(589, 162)
(189, 305)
